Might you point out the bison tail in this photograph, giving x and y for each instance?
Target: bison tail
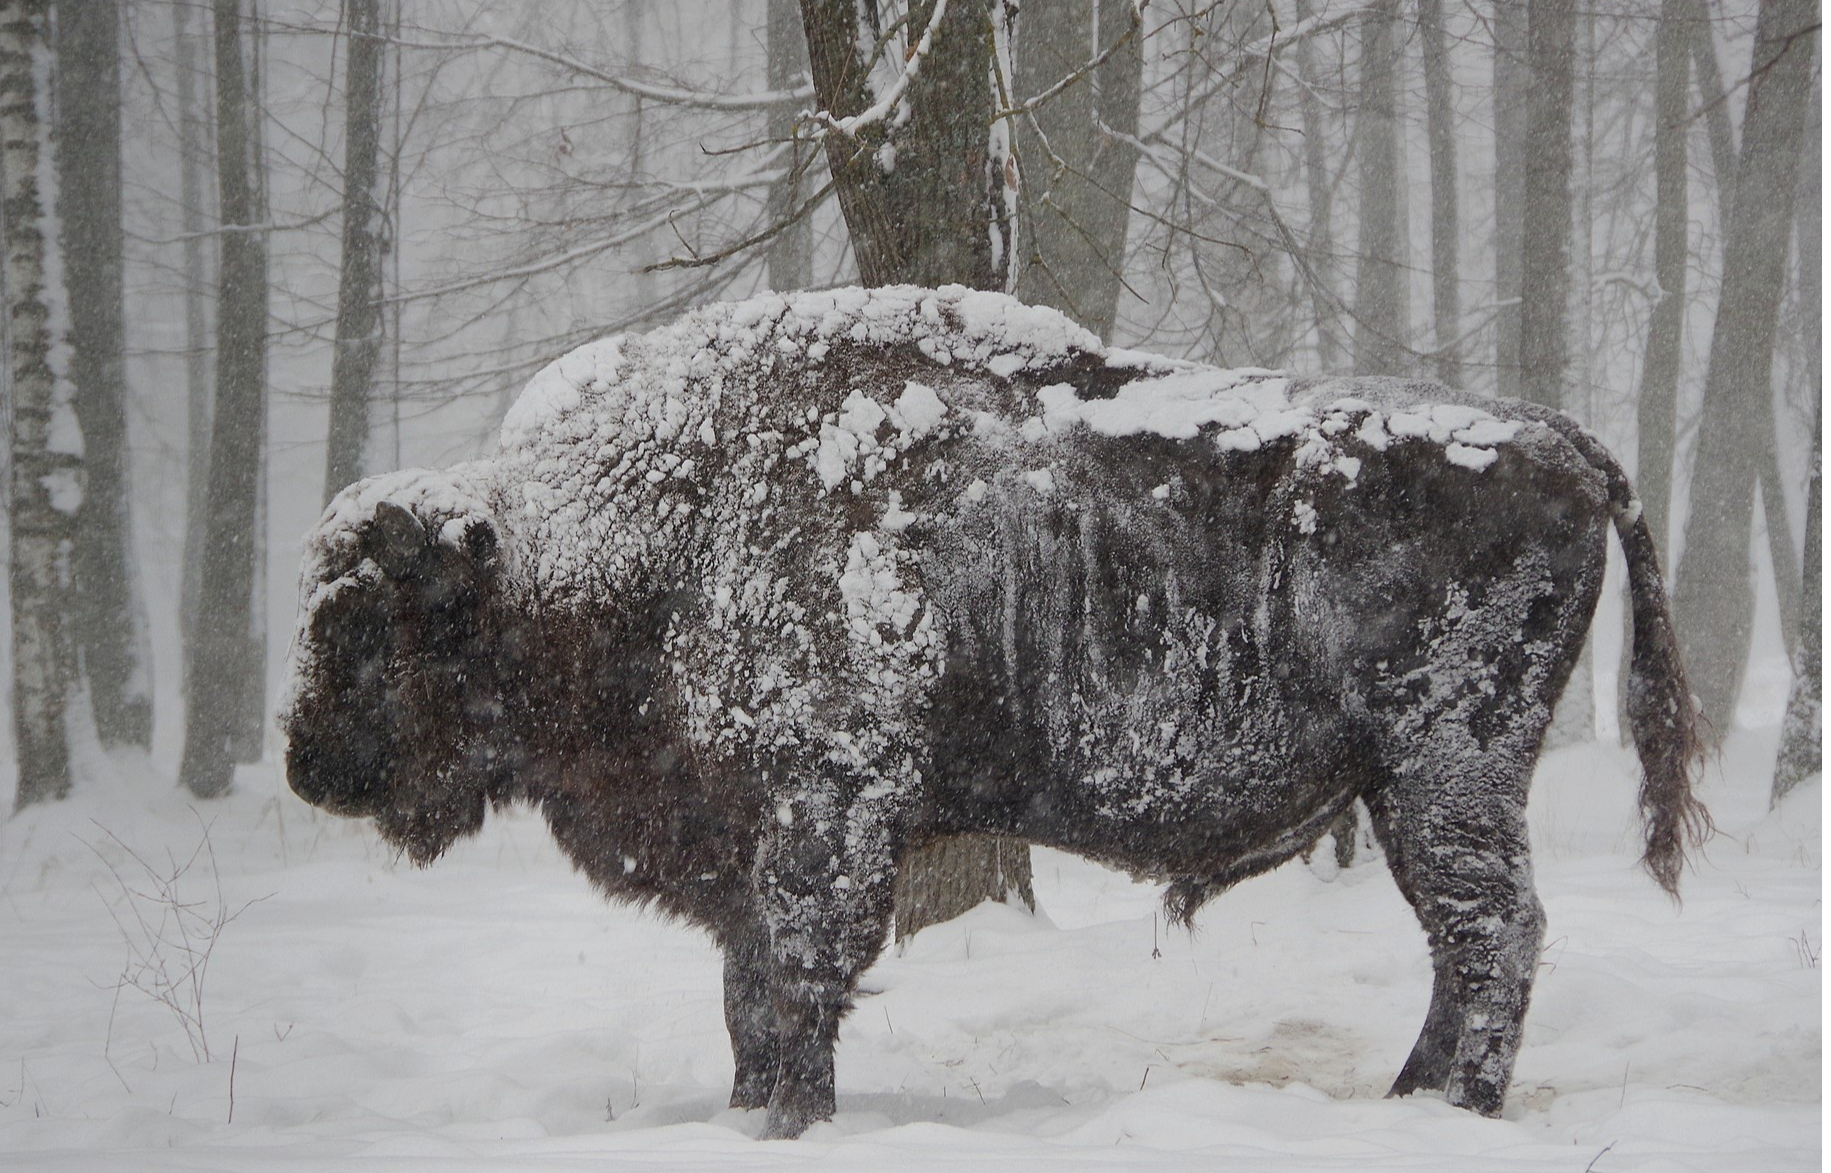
(1661, 714)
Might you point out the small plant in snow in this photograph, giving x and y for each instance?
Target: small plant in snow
(170, 933)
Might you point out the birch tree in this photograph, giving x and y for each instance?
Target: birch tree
(46, 488)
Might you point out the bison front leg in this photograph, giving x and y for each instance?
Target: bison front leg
(825, 875)
(750, 1017)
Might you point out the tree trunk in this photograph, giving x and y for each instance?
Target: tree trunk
(1713, 603)
(1713, 104)
(1445, 258)
(219, 655)
(1512, 83)
(1544, 350)
(1318, 184)
(1658, 413)
(107, 617)
(791, 250)
(194, 177)
(1379, 297)
(927, 202)
(46, 488)
(357, 348)
(1078, 202)
(1801, 750)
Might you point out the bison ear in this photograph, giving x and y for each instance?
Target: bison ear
(395, 540)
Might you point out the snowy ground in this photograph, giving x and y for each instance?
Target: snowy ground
(490, 1013)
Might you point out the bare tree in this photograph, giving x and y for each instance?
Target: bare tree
(1712, 600)
(107, 616)
(1544, 346)
(1801, 751)
(357, 346)
(1380, 327)
(1077, 157)
(1671, 245)
(46, 438)
(1512, 85)
(222, 676)
(791, 251)
(1445, 225)
(927, 197)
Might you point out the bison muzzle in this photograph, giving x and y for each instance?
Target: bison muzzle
(751, 605)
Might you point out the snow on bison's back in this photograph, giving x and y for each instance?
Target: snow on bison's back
(750, 605)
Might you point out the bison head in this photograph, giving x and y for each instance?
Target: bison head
(395, 712)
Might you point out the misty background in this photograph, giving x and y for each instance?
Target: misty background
(282, 245)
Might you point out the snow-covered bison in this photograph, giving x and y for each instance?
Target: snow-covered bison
(751, 605)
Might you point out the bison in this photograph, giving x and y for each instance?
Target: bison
(749, 606)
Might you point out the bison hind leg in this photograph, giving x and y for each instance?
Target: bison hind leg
(1460, 856)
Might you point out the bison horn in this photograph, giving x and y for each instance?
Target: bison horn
(395, 540)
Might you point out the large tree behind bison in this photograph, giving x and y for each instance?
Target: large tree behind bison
(750, 605)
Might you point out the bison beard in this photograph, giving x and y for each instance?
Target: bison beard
(751, 605)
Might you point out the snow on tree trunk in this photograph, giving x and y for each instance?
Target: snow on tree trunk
(218, 655)
(357, 347)
(107, 615)
(1446, 265)
(1379, 300)
(1077, 175)
(791, 250)
(46, 488)
(925, 182)
(1713, 602)
(921, 169)
(1512, 80)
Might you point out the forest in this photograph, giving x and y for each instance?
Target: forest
(252, 251)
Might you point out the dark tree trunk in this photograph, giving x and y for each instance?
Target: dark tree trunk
(107, 616)
(1801, 751)
(926, 202)
(1379, 297)
(221, 673)
(195, 167)
(1077, 177)
(47, 444)
(1712, 602)
(1512, 83)
(1318, 184)
(1445, 253)
(791, 251)
(1658, 414)
(1544, 349)
(1714, 106)
(357, 349)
